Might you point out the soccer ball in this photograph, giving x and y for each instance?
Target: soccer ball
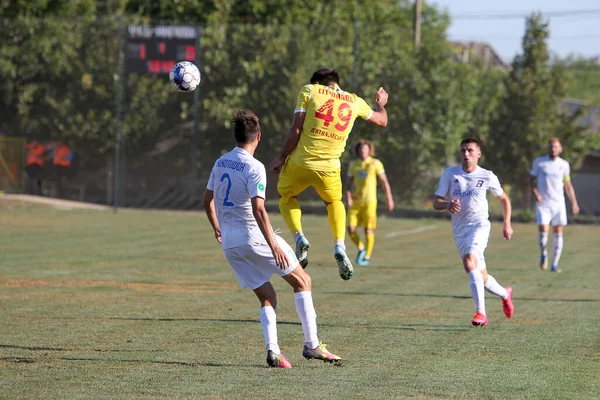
(185, 76)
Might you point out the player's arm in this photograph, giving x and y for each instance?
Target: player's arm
(441, 204)
(570, 190)
(383, 180)
(262, 219)
(536, 193)
(506, 214)
(209, 209)
(379, 116)
(349, 182)
(291, 141)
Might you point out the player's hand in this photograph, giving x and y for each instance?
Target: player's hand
(350, 201)
(390, 204)
(538, 198)
(507, 231)
(276, 165)
(454, 206)
(575, 208)
(381, 97)
(218, 236)
(280, 258)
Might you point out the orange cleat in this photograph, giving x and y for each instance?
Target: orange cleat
(507, 304)
(480, 319)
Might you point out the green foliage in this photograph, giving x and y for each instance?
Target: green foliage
(530, 113)
(584, 78)
(58, 69)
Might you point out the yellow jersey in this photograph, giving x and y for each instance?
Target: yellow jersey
(365, 175)
(330, 115)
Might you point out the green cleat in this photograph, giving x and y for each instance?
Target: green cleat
(320, 353)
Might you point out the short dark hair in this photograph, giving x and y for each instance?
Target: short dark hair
(470, 140)
(325, 77)
(245, 126)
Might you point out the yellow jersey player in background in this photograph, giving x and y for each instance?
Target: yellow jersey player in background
(364, 172)
(323, 119)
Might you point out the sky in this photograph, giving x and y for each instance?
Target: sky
(574, 24)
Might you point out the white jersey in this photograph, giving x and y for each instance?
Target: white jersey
(551, 175)
(235, 179)
(471, 190)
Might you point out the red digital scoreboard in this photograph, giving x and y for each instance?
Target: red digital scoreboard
(156, 48)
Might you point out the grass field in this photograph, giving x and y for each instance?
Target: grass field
(135, 305)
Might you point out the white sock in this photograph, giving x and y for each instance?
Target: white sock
(476, 284)
(340, 242)
(558, 246)
(268, 320)
(308, 317)
(494, 287)
(543, 241)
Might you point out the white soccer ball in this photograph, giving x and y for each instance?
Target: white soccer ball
(185, 76)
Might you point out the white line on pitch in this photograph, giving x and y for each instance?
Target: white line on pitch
(411, 231)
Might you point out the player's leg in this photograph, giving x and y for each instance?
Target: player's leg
(471, 243)
(559, 220)
(353, 222)
(557, 247)
(477, 288)
(542, 215)
(370, 216)
(301, 282)
(329, 187)
(253, 266)
(492, 286)
(292, 182)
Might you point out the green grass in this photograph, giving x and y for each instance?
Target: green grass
(143, 305)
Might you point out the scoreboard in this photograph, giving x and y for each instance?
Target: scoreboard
(156, 48)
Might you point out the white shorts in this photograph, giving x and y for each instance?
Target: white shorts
(473, 241)
(254, 265)
(554, 214)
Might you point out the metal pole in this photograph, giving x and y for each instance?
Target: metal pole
(196, 129)
(118, 116)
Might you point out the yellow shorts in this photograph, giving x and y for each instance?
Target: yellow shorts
(363, 214)
(294, 180)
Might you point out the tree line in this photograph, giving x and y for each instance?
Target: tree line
(58, 80)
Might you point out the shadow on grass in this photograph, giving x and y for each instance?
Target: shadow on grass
(406, 327)
(449, 296)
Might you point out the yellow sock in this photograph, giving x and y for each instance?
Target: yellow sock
(356, 240)
(336, 213)
(291, 213)
(370, 244)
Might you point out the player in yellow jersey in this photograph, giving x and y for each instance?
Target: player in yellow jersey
(364, 172)
(323, 119)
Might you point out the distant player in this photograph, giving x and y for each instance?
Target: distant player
(465, 188)
(363, 173)
(235, 206)
(323, 119)
(550, 179)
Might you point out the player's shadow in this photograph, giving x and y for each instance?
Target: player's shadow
(405, 327)
(30, 360)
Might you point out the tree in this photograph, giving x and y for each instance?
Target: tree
(530, 114)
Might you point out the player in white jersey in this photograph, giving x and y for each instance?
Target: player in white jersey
(463, 192)
(550, 178)
(234, 202)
